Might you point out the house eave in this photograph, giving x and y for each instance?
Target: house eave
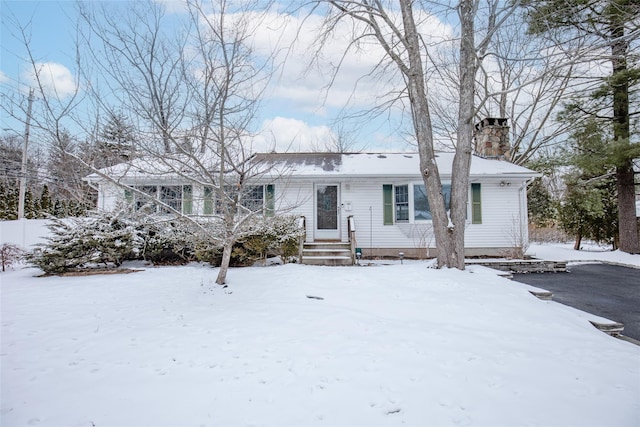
(394, 177)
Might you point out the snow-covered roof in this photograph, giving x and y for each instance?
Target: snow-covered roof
(167, 168)
(381, 164)
(313, 165)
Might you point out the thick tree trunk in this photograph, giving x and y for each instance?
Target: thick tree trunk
(627, 223)
(466, 112)
(423, 130)
(576, 245)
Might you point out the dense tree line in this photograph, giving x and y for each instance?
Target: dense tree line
(603, 36)
(55, 185)
(578, 190)
(38, 206)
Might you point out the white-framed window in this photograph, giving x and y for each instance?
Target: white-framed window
(421, 208)
(145, 202)
(161, 198)
(404, 203)
(209, 197)
(171, 196)
(401, 200)
(256, 198)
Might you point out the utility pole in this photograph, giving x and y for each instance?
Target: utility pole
(23, 170)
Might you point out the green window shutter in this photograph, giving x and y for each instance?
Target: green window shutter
(270, 200)
(187, 200)
(387, 203)
(476, 204)
(128, 196)
(208, 201)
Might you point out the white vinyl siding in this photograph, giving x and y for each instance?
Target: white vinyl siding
(502, 214)
(500, 206)
(503, 210)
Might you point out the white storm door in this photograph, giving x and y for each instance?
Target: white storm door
(327, 220)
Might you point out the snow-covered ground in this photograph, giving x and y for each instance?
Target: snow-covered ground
(387, 345)
(589, 252)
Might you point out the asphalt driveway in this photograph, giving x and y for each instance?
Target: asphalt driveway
(605, 290)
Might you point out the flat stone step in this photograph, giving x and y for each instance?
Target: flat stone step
(327, 260)
(613, 328)
(521, 265)
(542, 294)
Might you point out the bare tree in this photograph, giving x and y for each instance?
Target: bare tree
(194, 96)
(67, 169)
(190, 96)
(525, 80)
(54, 112)
(339, 140)
(231, 84)
(140, 62)
(11, 146)
(519, 77)
(394, 26)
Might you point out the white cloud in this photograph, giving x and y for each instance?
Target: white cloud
(305, 71)
(283, 134)
(56, 79)
(173, 6)
(3, 77)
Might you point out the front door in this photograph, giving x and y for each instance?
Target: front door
(327, 212)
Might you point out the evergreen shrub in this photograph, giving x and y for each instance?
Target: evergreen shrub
(272, 236)
(107, 239)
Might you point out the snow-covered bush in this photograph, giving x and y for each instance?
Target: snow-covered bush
(277, 235)
(284, 233)
(102, 239)
(109, 238)
(167, 242)
(258, 238)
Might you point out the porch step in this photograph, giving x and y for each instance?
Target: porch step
(327, 253)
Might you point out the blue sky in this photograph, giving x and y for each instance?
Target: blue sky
(297, 111)
(51, 37)
(51, 41)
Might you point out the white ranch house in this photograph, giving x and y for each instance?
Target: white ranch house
(372, 201)
(380, 201)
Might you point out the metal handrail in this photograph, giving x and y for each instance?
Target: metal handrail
(302, 224)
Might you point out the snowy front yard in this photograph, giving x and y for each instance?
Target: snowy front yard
(388, 345)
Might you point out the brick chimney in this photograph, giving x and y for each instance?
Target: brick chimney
(491, 139)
